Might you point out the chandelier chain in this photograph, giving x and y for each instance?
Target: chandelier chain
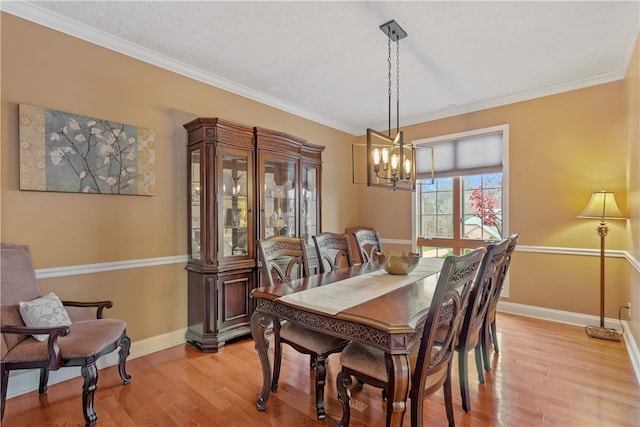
(389, 63)
(389, 75)
(397, 85)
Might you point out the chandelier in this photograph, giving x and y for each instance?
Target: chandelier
(391, 163)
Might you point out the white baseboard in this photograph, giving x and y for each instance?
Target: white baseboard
(25, 381)
(21, 382)
(577, 319)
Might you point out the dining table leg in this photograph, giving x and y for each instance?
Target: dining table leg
(259, 323)
(398, 372)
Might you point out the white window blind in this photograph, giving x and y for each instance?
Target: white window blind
(470, 155)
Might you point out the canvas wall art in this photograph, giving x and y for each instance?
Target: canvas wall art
(72, 153)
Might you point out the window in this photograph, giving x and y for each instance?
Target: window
(465, 204)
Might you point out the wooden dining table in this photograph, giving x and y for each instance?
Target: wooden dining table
(361, 303)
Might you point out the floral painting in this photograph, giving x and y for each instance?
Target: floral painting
(71, 153)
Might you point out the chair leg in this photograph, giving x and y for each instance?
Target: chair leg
(321, 375)
(125, 345)
(479, 367)
(90, 375)
(417, 405)
(448, 398)
(484, 339)
(44, 380)
(463, 374)
(343, 383)
(494, 336)
(3, 389)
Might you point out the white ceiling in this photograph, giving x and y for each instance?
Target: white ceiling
(327, 61)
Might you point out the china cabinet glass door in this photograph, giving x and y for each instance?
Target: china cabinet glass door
(194, 227)
(280, 197)
(237, 202)
(309, 206)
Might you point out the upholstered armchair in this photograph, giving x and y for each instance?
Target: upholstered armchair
(53, 340)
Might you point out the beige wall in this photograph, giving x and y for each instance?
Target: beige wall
(562, 148)
(632, 81)
(49, 69)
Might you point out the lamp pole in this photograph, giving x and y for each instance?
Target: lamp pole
(603, 230)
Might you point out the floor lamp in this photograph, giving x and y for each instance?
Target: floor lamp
(603, 206)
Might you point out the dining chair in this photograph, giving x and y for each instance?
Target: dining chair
(355, 252)
(368, 244)
(284, 259)
(489, 332)
(42, 332)
(333, 251)
(430, 361)
(474, 315)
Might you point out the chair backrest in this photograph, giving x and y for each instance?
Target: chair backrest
(355, 251)
(333, 251)
(17, 283)
(446, 309)
(283, 259)
(368, 244)
(504, 268)
(480, 295)
(17, 276)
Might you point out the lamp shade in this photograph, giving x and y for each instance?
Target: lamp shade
(602, 205)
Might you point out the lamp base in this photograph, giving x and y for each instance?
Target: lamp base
(603, 333)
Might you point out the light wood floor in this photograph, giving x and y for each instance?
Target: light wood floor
(546, 374)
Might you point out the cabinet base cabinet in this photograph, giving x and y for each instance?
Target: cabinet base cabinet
(220, 308)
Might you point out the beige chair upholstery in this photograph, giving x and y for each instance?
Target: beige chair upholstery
(80, 344)
(471, 331)
(368, 244)
(333, 251)
(284, 259)
(430, 360)
(489, 326)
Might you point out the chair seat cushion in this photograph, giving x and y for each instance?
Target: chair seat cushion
(364, 358)
(87, 338)
(370, 361)
(315, 341)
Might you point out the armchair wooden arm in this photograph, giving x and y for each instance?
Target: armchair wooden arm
(100, 305)
(55, 358)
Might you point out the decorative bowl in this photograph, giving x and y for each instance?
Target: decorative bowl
(399, 263)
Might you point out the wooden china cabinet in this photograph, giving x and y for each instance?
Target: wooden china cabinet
(235, 200)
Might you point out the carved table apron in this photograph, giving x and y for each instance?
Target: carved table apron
(392, 321)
